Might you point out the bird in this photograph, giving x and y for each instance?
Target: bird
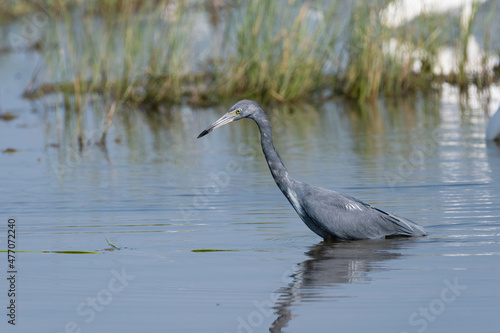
(329, 214)
(493, 128)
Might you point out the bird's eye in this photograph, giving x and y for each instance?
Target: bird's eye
(238, 111)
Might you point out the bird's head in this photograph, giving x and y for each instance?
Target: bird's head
(242, 109)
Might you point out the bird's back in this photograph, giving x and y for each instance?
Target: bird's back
(334, 215)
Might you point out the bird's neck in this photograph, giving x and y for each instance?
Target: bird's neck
(276, 166)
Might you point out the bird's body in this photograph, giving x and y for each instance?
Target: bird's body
(327, 213)
(334, 215)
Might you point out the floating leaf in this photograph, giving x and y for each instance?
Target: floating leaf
(7, 116)
(10, 151)
(211, 250)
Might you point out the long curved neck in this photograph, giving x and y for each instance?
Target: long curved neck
(278, 170)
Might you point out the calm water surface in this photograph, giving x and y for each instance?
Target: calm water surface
(158, 194)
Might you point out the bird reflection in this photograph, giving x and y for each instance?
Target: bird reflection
(330, 264)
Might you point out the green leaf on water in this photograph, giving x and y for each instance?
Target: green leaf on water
(73, 252)
(10, 151)
(210, 250)
(113, 245)
(7, 116)
(61, 252)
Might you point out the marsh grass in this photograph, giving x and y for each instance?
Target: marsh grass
(14, 9)
(365, 57)
(273, 51)
(148, 53)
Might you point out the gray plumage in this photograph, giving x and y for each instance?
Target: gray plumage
(329, 214)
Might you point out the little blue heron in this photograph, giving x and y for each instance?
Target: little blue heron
(329, 214)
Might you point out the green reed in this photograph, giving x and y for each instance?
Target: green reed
(142, 52)
(275, 51)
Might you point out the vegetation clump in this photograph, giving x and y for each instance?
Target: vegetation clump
(164, 51)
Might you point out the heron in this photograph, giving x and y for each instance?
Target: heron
(493, 129)
(329, 214)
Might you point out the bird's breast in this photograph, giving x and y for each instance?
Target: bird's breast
(292, 197)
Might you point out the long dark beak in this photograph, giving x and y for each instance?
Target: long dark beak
(225, 119)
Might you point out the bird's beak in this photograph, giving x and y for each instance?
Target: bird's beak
(225, 119)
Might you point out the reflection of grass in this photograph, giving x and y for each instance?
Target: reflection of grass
(142, 52)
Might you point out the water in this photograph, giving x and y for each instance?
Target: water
(159, 194)
(165, 198)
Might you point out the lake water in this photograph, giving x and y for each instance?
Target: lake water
(164, 198)
(159, 194)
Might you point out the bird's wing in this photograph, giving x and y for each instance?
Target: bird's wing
(348, 218)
